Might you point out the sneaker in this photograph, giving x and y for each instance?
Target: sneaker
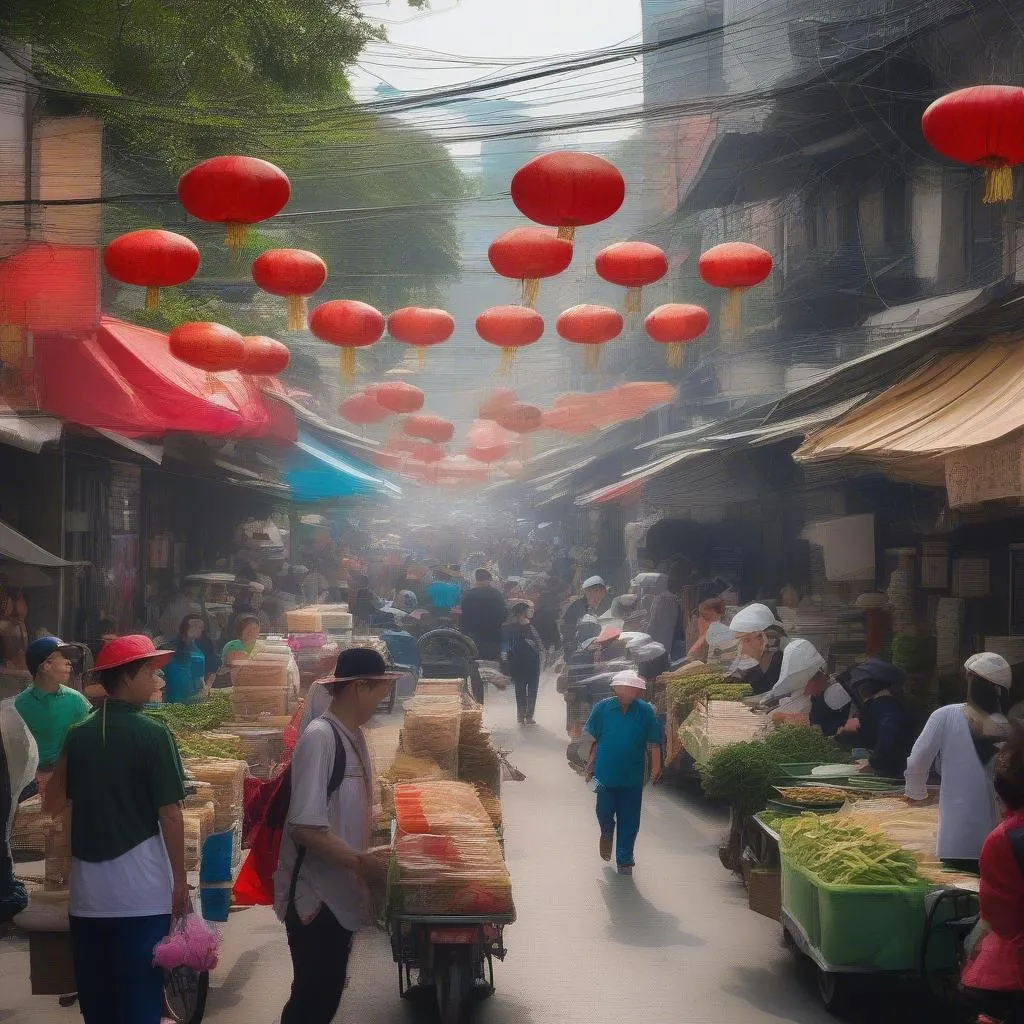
(625, 869)
(606, 847)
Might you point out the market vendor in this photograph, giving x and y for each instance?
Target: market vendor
(595, 600)
(759, 636)
(883, 723)
(242, 648)
(964, 739)
(801, 662)
(49, 706)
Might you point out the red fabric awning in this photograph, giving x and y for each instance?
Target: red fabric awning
(124, 378)
(49, 287)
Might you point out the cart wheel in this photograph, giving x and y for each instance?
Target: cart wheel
(185, 993)
(834, 990)
(451, 979)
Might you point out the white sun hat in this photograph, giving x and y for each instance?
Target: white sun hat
(754, 618)
(993, 667)
(628, 678)
(801, 662)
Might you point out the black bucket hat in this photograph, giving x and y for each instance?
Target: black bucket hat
(361, 663)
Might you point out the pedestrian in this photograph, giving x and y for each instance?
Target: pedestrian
(595, 600)
(521, 658)
(185, 673)
(483, 615)
(320, 886)
(122, 776)
(626, 733)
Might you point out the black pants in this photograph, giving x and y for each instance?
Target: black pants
(320, 953)
(526, 695)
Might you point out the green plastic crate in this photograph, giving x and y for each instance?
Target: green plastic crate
(864, 926)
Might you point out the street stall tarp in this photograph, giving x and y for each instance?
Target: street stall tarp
(319, 473)
(18, 548)
(123, 378)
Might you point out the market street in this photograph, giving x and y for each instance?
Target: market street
(678, 943)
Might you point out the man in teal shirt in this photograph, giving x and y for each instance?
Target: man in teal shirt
(49, 707)
(625, 728)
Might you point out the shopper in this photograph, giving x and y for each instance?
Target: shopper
(521, 657)
(320, 886)
(626, 733)
(483, 615)
(185, 673)
(121, 773)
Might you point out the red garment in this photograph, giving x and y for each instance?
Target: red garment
(998, 965)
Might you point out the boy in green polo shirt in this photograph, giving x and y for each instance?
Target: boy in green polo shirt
(49, 707)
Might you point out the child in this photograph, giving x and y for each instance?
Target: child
(521, 650)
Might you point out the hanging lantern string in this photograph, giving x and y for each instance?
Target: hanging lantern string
(347, 359)
(567, 232)
(152, 297)
(732, 314)
(531, 289)
(297, 309)
(998, 183)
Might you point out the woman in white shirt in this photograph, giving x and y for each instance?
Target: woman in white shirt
(961, 741)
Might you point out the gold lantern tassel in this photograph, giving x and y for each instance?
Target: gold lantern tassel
(235, 234)
(422, 354)
(998, 184)
(633, 305)
(567, 232)
(592, 358)
(732, 315)
(674, 356)
(296, 312)
(152, 297)
(508, 359)
(348, 365)
(531, 288)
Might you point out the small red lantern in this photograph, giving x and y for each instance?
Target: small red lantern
(511, 328)
(528, 254)
(265, 356)
(568, 190)
(292, 273)
(592, 326)
(420, 327)
(980, 126)
(397, 396)
(208, 346)
(487, 442)
(348, 325)
(152, 259)
(236, 191)
(632, 265)
(498, 399)
(362, 409)
(521, 419)
(429, 428)
(736, 266)
(674, 324)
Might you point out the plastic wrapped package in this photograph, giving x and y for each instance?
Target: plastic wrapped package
(438, 688)
(304, 620)
(336, 617)
(440, 807)
(431, 730)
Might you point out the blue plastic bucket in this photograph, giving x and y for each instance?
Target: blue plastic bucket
(215, 865)
(215, 901)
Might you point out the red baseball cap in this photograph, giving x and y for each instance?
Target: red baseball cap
(125, 649)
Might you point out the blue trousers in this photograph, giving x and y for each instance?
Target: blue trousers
(117, 982)
(618, 812)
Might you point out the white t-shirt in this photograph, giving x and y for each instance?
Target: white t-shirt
(136, 884)
(347, 815)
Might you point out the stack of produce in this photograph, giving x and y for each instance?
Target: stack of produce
(304, 620)
(199, 819)
(210, 744)
(431, 730)
(227, 779)
(181, 719)
(265, 683)
(478, 759)
(682, 690)
(335, 617)
(439, 688)
(716, 724)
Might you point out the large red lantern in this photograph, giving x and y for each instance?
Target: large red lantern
(521, 419)
(349, 325)
(736, 266)
(208, 346)
(498, 399)
(592, 326)
(152, 259)
(236, 191)
(292, 273)
(362, 410)
(568, 190)
(265, 356)
(421, 327)
(674, 324)
(397, 396)
(429, 428)
(981, 126)
(511, 328)
(631, 265)
(528, 254)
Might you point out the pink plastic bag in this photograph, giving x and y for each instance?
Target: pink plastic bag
(192, 943)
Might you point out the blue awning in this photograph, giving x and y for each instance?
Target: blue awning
(320, 473)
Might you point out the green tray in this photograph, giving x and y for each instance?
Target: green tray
(793, 810)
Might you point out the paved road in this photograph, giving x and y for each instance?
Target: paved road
(677, 943)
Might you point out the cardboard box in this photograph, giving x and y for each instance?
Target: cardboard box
(764, 892)
(51, 964)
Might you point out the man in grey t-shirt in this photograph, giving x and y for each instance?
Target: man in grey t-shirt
(320, 889)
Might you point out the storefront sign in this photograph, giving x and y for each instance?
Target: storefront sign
(985, 473)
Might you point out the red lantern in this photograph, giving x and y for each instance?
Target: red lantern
(498, 399)
(591, 326)
(674, 324)
(430, 428)
(207, 346)
(236, 191)
(292, 273)
(980, 126)
(631, 265)
(348, 325)
(528, 254)
(361, 409)
(736, 266)
(415, 325)
(521, 419)
(397, 396)
(568, 190)
(265, 356)
(152, 259)
(487, 442)
(511, 328)
(426, 452)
